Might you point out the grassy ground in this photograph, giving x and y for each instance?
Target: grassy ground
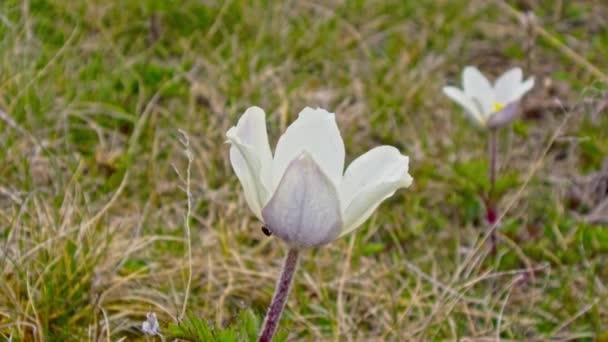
(94, 168)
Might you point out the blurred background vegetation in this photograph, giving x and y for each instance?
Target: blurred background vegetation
(93, 193)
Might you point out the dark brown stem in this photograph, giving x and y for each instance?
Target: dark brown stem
(492, 218)
(491, 210)
(492, 156)
(271, 322)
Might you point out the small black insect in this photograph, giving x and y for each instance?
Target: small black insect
(266, 231)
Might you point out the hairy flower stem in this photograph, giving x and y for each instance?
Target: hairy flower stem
(271, 322)
(491, 210)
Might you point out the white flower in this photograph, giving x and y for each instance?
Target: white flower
(150, 325)
(490, 106)
(303, 195)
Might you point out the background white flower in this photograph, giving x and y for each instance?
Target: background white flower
(490, 106)
(150, 325)
(303, 195)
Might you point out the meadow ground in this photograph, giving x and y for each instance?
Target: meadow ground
(102, 100)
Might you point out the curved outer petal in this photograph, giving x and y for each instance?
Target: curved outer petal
(506, 84)
(251, 158)
(522, 89)
(304, 211)
(369, 180)
(477, 87)
(316, 132)
(467, 103)
(503, 116)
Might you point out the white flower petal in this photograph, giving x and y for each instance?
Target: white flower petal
(251, 158)
(304, 211)
(251, 131)
(369, 180)
(247, 167)
(316, 132)
(462, 99)
(522, 90)
(506, 84)
(477, 86)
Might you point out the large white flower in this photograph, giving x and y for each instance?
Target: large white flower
(303, 195)
(490, 106)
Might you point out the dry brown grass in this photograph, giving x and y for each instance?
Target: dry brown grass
(94, 181)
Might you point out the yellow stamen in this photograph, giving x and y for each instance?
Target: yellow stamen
(497, 106)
